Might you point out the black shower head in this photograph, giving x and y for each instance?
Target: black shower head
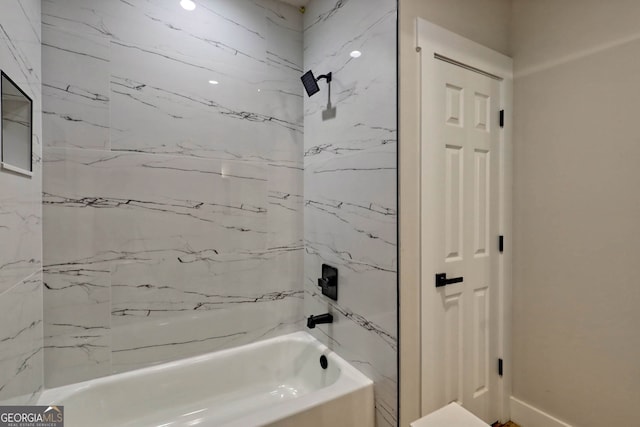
(310, 83)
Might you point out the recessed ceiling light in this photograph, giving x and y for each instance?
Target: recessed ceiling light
(187, 4)
(356, 54)
(214, 82)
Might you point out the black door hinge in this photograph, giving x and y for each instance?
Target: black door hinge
(501, 244)
(500, 367)
(501, 118)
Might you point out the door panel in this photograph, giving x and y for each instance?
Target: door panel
(453, 348)
(459, 324)
(482, 203)
(454, 203)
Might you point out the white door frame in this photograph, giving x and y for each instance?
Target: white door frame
(432, 40)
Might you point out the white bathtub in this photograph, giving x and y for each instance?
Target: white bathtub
(276, 382)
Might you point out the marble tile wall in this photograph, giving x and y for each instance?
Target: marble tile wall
(173, 207)
(21, 328)
(350, 186)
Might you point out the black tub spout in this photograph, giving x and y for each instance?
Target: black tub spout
(312, 321)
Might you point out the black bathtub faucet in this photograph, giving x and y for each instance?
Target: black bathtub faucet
(312, 321)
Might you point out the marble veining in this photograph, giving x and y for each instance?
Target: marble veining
(350, 208)
(21, 319)
(181, 249)
(77, 332)
(173, 206)
(184, 217)
(21, 334)
(75, 90)
(152, 111)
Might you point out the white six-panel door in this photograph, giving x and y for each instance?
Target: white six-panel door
(460, 323)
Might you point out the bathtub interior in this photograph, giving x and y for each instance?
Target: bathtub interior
(222, 386)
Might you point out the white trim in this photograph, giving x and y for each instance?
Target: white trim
(526, 415)
(436, 39)
(16, 169)
(432, 39)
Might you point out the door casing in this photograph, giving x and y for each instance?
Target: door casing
(433, 40)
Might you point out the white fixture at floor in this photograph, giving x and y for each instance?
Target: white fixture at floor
(452, 415)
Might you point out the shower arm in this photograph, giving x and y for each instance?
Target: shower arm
(327, 77)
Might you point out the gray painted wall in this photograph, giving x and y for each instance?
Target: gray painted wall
(576, 296)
